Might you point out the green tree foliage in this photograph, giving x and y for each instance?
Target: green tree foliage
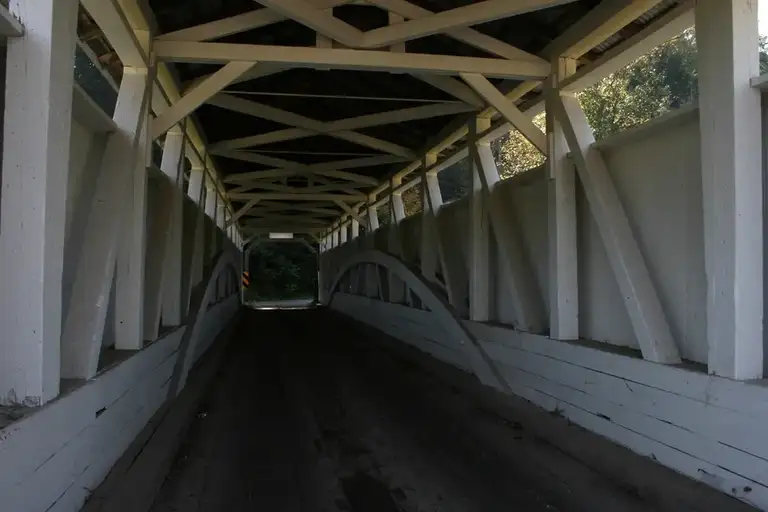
(662, 80)
(282, 271)
(515, 154)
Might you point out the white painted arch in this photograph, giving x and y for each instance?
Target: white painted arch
(484, 367)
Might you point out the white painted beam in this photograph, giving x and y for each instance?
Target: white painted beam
(197, 96)
(508, 110)
(364, 60)
(112, 21)
(452, 86)
(285, 196)
(732, 182)
(243, 106)
(261, 139)
(352, 213)
(248, 107)
(640, 298)
(242, 211)
(38, 111)
(399, 116)
(325, 168)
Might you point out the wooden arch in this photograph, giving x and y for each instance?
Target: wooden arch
(481, 363)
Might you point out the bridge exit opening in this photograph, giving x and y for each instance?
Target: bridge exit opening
(282, 272)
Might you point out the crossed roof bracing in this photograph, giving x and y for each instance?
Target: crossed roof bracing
(307, 105)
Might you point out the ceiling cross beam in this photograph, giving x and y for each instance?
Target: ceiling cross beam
(342, 58)
(508, 110)
(197, 96)
(423, 23)
(305, 127)
(243, 106)
(330, 169)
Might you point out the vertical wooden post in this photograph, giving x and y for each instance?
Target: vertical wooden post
(479, 237)
(38, 113)
(562, 221)
(130, 266)
(172, 165)
(343, 233)
(729, 111)
(210, 211)
(397, 289)
(197, 191)
(627, 262)
(372, 279)
(428, 251)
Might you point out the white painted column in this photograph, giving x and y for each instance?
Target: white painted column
(372, 276)
(210, 199)
(172, 166)
(398, 293)
(210, 210)
(38, 112)
(220, 236)
(130, 267)
(84, 325)
(196, 191)
(562, 220)
(355, 229)
(373, 217)
(343, 230)
(638, 292)
(196, 180)
(479, 241)
(429, 240)
(158, 228)
(730, 125)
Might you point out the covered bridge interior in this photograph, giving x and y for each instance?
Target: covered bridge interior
(584, 333)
